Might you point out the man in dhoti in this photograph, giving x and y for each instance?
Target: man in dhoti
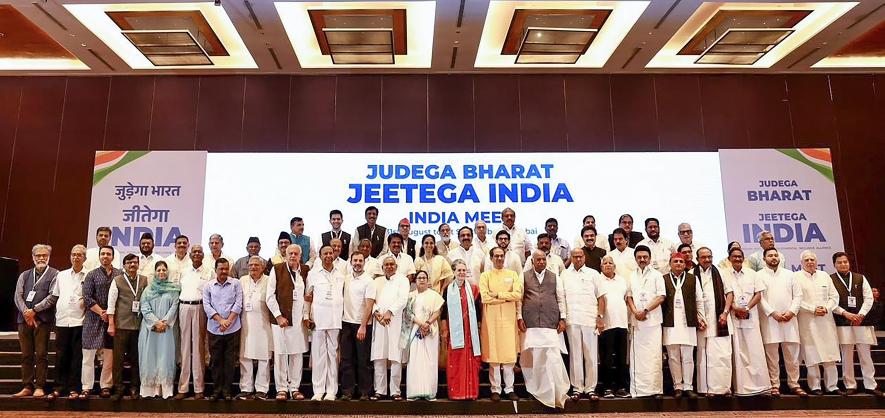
(500, 289)
(780, 328)
(325, 310)
(541, 316)
(391, 295)
(285, 300)
(257, 337)
(817, 330)
(644, 298)
(714, 343)
(855, 302)
(683, 318)
(750, 369)
(585, 304)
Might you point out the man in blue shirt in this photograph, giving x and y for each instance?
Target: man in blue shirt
(223, 303)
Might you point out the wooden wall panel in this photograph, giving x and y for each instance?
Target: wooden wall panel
(450, 113)
(10, 103)
(266, 113)
(588, 113)
(680, 119)
(767, 112)
(404, 113)
(497, 118)
(129, 112)
(174, 120)
(542, 107)
(811, 111)
(723, 105)
(358, 114)
(634, 113)
(311, 114)
(220, 113)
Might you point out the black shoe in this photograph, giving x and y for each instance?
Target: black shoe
(244, 396)
(608, 394)
(691, 394)
(364, 397)
(214, 397)
(513, 396)
(677, 394)
(228, 397)
(876, 392)
(658, 396)
(837, 392)
(496, 397)
(817, 392)
(134, 394)
(346, 396)
(849, 392)
(116, 397)
(621, 393)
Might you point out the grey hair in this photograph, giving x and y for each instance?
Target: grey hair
(40, 247)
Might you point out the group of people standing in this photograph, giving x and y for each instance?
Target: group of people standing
(366, 305)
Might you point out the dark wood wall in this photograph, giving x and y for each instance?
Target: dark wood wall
(51, 126)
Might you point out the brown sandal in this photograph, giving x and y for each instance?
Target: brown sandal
(575, 396)
(298, 396)
(799, 392)
(281, 396)
(775, 393)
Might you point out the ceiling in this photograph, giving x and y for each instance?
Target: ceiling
(118, 37)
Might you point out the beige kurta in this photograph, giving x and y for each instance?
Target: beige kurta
(498, 332)
(439, 270)
(816, 333)
(256, 341)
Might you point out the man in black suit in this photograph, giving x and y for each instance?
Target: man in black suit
(336, 218)
(404, 228)
(633, 237)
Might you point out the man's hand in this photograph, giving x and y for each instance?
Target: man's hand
(112, 331)
(493, 294)
(361, 333)
(702, 325)
(385, 319)
(788, 315)
(282, 321)
(641, 315)
(723, 319)
(29, 314)
(104, 315)
(560, 328)
(820, 311)
(741, 313)
(857, 320)
(308, 324)
(521, 325)
(600, 325)
(308, 297)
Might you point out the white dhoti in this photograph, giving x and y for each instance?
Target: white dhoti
(542, 367)
(646, 361)
(714, 364)
(750, 368)
(583, 358)
(324, 359)
(192, 323)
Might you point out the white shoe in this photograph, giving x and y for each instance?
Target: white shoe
(317, 397)
(329, 397)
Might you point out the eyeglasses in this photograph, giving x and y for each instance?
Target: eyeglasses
(686, 232)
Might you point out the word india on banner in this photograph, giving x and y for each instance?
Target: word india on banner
(788, 192)
(133, 195)
(461, 184)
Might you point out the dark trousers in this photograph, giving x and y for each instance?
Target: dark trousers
(355, 364)
(68, 358)
(126, 349)
(34, 343)
(224, 353)
(613, 359)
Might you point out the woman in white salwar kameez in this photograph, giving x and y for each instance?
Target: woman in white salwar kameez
(750, 367)
(422, 310)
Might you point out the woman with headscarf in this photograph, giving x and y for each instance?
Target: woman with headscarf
(459, 332)
(156, 341)
(422, 339)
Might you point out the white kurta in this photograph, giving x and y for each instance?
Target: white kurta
(554, 264)
(782, 293)
(582, 290)
(714, 353)
(474, 257)
(750, 367)
(519, 242)
(291, 339)
(423, 354)
(542, 367)
(816, 332)
(858, 334)
(646, 358)
(660, 253)
(625, 261)
(391, 295)
(680, 333)
(256, 341)
(404, 264)
(177, 266)
(327, 308)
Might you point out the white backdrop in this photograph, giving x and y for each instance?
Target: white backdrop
(257, 194)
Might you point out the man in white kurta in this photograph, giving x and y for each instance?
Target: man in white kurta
(102, 238)
(644, 298)
(585, 303)
(519, 241)
(216, 244)
(855, 302)
(714, 343)
(660, 247)
(780, 327)
(816, 325)
(541, 316)
(750, 369)
(178, 261)
(472, 255)
(405, 265)
(554, 261)
(480, 237)
(681, 323)
(289, 332)
(192, 323)
(326, 285)
(613, 369)
(339, 264)
(392, 293)
(256, 340)
(147, 259)
(622, 255)
(511, 257)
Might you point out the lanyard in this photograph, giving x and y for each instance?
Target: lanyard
(137, 281)
(681, 281)
(847, 285)
(291, 275)
(37, 279)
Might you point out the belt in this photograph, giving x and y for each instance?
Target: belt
(191, 302)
